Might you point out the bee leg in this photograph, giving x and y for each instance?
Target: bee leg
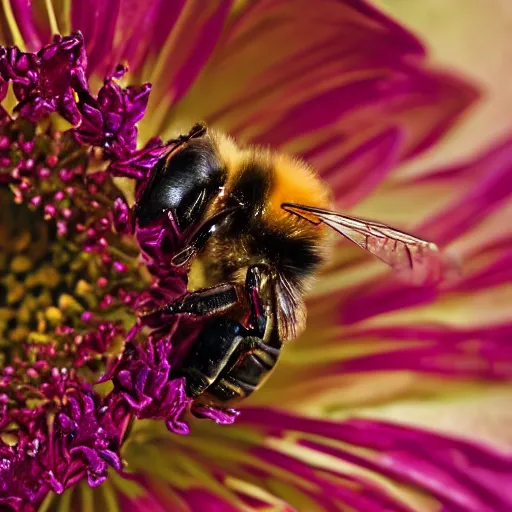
(260, 295)
(228, 361)
(253, 351)
(211, 353)
(206, 302)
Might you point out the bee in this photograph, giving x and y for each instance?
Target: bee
(257, 224)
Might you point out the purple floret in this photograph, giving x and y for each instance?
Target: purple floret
(72, 432)
(58, 442)
(143, 381)
(43, 82)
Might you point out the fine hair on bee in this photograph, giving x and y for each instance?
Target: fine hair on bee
(212, 174)
(255, 231)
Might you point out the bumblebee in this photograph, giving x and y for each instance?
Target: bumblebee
(256, 225)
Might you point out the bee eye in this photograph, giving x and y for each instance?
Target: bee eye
(183, 184)
(190, 208)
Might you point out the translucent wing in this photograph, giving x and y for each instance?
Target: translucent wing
(415, 259)
(291, 310)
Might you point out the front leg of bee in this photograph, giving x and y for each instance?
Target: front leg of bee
(206, 302)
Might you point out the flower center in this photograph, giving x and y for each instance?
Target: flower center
(72, 278)
(66, 283)
(34, 268)
(76, 271)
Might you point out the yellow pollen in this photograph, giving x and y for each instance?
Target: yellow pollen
(21, 263)
(67, 302)
(53, 315)
(9, 438)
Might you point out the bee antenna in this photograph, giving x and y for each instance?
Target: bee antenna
(197, 240)
(198, 130)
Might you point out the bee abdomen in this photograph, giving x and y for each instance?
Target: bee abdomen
(247, 372)
(250, 362)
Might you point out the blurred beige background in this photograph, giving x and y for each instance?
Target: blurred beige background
(475, 38)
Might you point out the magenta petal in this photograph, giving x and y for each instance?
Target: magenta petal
(145, 503)
(206, 35)
(125, 30)
(367, 498)
(466, 473)
(201, 499)
(460, 474)
(357, 173)
(96, 20)
(385, 96)
(355, 74)
(270, 445)
(385, 296)
(338, 37)
(436, 333)
(487, 363)
(326, 10)
(323, 109)
(497, 272)
(34, 34)
(146, 26)
(484, 183)
(134, 31)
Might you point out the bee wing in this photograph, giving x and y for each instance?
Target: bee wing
(417, 260)
(291, 310)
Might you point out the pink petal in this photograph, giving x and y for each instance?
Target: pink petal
(352, 77)
(485, 363)
(139, 33)
(144, 503)
(496, 271)
(485, 184)
(97, 21)
(180, 57)
(200, 499)
(33, 26)
(284, 456)
(364, 167)
(385, 295)
(460, 474)
(142, 28)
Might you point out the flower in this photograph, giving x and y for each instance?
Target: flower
(339, 424)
